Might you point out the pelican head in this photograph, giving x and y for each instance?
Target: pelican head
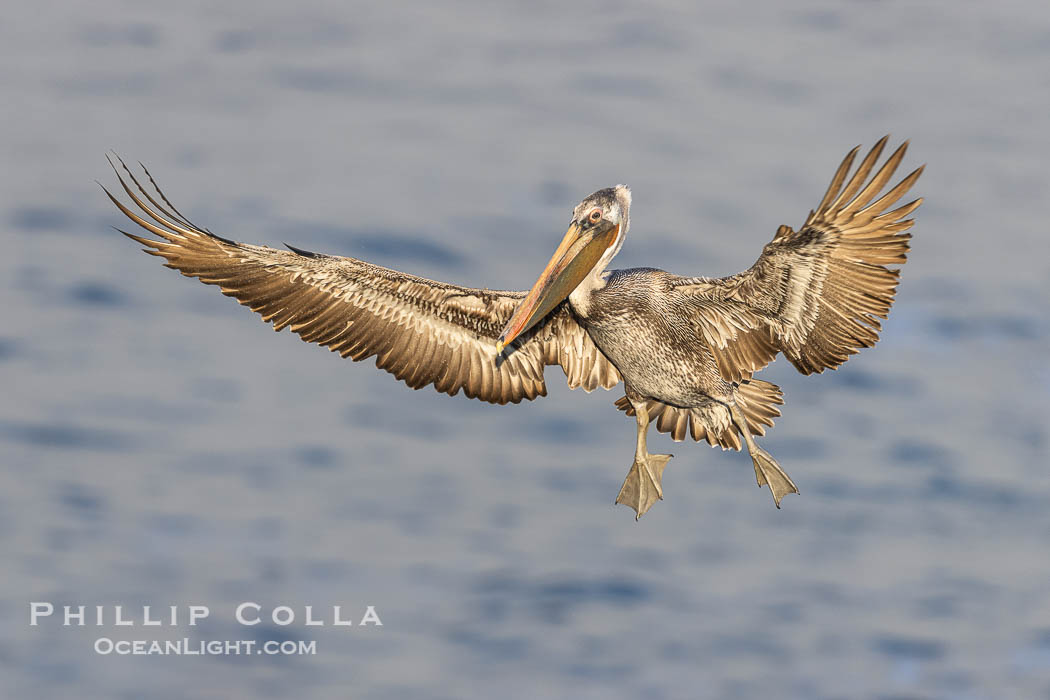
(596, 232)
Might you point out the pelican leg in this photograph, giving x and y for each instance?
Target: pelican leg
(642, 487)
(767, 471)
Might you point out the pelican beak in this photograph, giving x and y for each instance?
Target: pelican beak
(577, 255)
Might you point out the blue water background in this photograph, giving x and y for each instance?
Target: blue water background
(159, 445)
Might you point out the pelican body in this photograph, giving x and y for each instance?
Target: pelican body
(686, 348)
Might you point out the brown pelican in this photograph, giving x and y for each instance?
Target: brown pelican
(685, 347)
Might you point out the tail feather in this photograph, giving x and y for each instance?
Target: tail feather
(758, 401)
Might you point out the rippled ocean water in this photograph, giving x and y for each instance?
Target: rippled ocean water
(160, 446)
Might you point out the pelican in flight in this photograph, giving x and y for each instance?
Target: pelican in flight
(686, 348)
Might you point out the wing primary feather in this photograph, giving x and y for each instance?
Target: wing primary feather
(302, 252)
(837, 180)
(862, 173)
(178, 214)
(181, 230)
(891, 197)
(878, 181)
(147, 195)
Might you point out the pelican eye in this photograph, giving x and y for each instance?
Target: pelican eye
(595, 216)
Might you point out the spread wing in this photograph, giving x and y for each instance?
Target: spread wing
(822, 290)
(421, 331)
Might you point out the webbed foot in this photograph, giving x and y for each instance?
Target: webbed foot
(768, 472)
(642, 487)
